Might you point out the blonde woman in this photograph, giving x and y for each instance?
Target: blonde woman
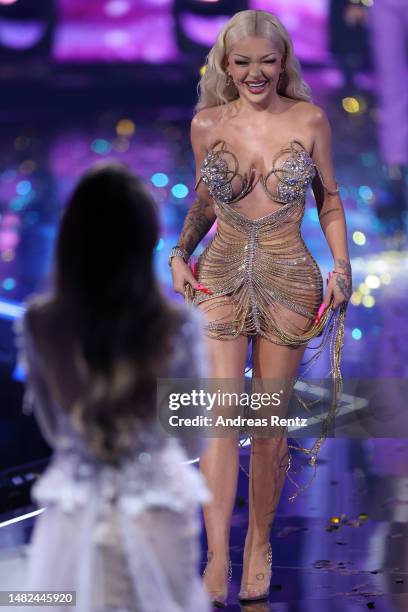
(259, 143)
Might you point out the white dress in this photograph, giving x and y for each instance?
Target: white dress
(124, 539)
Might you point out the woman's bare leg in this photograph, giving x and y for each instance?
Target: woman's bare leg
(219, 465)
(276, 365)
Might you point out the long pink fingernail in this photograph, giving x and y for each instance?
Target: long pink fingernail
(321, 310)
(201, 287)
(194, 267)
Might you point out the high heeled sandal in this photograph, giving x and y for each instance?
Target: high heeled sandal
(254, 594)
(219, 598)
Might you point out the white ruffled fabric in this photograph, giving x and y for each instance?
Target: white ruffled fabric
(125, 539)
(154, 478)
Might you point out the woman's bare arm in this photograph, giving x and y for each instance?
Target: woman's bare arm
(201, 216)
(329, 205)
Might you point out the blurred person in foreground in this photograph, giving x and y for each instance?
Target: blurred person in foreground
(121, 526)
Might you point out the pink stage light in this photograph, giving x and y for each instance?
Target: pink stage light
(117, 8)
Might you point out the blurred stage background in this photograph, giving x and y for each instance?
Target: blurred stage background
(82, 80)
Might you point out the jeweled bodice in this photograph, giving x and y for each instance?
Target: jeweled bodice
(292, 178)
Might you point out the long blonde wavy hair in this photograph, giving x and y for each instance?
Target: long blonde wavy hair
(214, 88)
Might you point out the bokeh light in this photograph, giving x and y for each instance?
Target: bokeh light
(359, 238)
(23, 187)
(356, 298)
(366, 193)
(125, 127)
(101, 146)
(351, 105)
(179, 190)
(372, 281)
(159, 179)
(354, 105)
(9, 284)
(357, 334)
(368, 301)
(363, 289)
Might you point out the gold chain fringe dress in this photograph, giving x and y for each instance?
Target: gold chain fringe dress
(264, 280)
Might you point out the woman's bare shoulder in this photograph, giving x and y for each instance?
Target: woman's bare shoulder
(207, 123)
(207, 117)
(310, 112)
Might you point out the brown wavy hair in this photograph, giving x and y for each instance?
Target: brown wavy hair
(105, 283)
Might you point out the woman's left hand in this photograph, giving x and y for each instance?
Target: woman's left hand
(339, 289)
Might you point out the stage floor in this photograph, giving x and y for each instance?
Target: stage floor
(341, 546)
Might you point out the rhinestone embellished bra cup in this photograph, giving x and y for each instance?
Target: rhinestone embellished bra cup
(294, 176)
(269, 264)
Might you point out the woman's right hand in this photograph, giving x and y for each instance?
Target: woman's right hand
(183, 274)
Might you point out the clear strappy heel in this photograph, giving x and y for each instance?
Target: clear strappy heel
(252, 594)
(219, 598)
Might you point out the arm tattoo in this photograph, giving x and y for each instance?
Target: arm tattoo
(197, 223)
(326, 212)
(344, 284)
(344, 265)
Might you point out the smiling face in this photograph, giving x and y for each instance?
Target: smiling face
(255, 64)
